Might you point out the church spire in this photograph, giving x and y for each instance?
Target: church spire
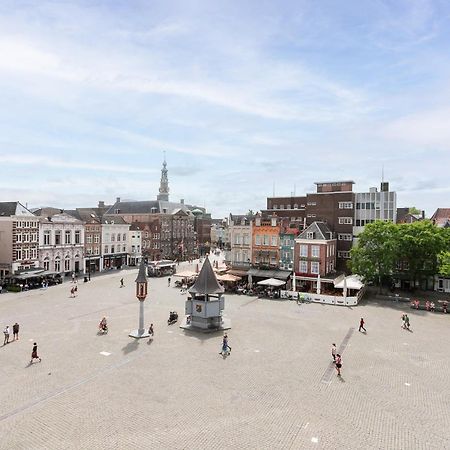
(164, 185)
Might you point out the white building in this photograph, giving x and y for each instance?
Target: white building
(61, 242)
(371, 206)
(114, 242)
(19, 239)
(240, 234)
(134, 246)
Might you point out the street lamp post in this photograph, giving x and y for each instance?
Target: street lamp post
(141, 294)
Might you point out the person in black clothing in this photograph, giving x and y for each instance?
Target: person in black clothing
(361, 325)
(34, 354)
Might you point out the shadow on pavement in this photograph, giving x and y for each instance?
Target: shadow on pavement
(131, 346)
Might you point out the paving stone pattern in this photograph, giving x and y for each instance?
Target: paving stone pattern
(177, 392)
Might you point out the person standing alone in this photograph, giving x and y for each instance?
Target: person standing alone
(361, 325)
(6, 333)
(121, 283)
(34, 354)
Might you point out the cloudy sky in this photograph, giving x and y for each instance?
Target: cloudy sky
(241, 95)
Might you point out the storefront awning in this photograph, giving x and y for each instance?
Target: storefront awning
(278, 274)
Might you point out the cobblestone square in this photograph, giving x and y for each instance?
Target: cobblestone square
(277, 389)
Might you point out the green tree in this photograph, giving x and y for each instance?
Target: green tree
(444, 264)
(419, 244)
(375, 254)
(414, 210)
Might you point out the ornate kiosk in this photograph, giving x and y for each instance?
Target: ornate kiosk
(205, 304)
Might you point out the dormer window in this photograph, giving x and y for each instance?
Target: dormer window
(310, 235)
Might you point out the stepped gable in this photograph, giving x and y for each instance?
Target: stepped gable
(206, 282)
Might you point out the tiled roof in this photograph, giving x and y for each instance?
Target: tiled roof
(441, 214)
(8, 208)
(320, 229)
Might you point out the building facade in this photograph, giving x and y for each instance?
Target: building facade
(315, 251)
(61, 243)
(135, 245)
(292, 208)
(239, 254)
(114, 242)
(19, 239)
(266, 241)
(374, 205)
(287, 244)
(334, 204)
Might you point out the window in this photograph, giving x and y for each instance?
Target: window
(47, 238)
(18, 254)
(343, 254)
(57, 239)
(88, 239)
(257, 239)
(304, 250)
(77, 237)
(66, 264)
(345, 205)
(310, 215)
(266, 240)
(113, 237)
(67, 237)
(315, 251)
(274, 241)
(311, 203)
(345, 237)
(124, 247)
(124, 237)
(46, 264)
(106, 249)
(310, 235)
(96, 239)
(345, 220)
(112, 248)
(303, 267)
(314, 267)
(237, 239)
(57, 264)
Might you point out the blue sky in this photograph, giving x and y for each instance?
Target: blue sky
(240, 95)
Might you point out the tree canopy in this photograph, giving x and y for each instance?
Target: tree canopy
(418, 250)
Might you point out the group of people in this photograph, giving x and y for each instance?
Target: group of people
(15, 332)
(7, 333)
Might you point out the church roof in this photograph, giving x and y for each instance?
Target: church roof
(206, 282)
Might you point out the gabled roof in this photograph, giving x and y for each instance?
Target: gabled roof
(320, 230)
(13, 209)
(135, 207)
(441, 215)
(113, 220)
(206, 282)
(47, 211)
(63, 217)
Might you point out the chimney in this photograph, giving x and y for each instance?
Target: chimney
(101, 204)
(182, 201)
(118, 200)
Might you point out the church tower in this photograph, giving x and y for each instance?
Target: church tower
(164, 185)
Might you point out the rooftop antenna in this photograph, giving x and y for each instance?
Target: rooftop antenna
(382, 173)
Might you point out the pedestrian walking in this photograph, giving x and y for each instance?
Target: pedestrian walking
(403, 321)
(73, 277)
(16, 331)
(168, 281)
(406, 321)
(6, 333)
(226, 349)
(34, 354)
(338, 364)
(361, 325)
(75, 290)
(333, 352)
(121, 283)
(72, 292)
(150, 331)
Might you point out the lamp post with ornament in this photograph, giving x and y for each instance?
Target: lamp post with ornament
(141, 294)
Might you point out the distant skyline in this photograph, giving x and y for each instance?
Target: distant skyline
(240, 95)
